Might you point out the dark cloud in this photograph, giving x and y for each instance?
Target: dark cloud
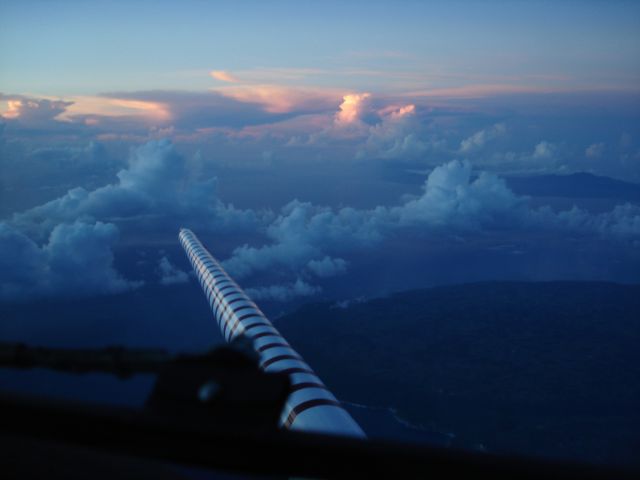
(76, 260)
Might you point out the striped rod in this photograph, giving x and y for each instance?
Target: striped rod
(310, 405)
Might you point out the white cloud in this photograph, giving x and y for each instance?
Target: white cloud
(352, 109)
(76, 260)
(302, 232)
(480, 138)
(155, 189)
(544, 151)
(283, 293)
(155, 192)
(328, 267)
(170, 274)
(397, 134)
(595, 150)
(452, 198)
(306, 237)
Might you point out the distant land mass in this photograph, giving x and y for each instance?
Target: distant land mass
(547, 369)
(575, 185)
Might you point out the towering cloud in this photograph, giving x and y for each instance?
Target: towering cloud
(65, 246)
(77, 259)
(155, 189)
(352, 108)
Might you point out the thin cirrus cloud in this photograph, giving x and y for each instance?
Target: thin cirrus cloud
(116, 107)
(224, 76)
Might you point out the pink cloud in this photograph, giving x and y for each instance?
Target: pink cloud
(397, 111)
(13, 109)
(84, 106)
(224, 76)
(31, 110)
(352, 107)
(282, 99)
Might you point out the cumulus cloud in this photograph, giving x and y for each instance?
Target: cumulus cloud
(285, 292)
(544, 157)
(328, 267)
(352, 109)
(480, 138)
(156, 192)
(393, 131)
(155, 189)
(397, 134)
(453, 198)
(595, 150)
(622, 222)
(77, 259)
(170, 274)
(544, 151)
(303, 232)
(307, 238)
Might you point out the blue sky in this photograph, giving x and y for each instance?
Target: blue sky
(71, 48)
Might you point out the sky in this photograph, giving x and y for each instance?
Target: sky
(75, 48)
(322, 151)
(450, 141)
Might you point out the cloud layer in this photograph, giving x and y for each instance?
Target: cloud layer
(158, 191)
